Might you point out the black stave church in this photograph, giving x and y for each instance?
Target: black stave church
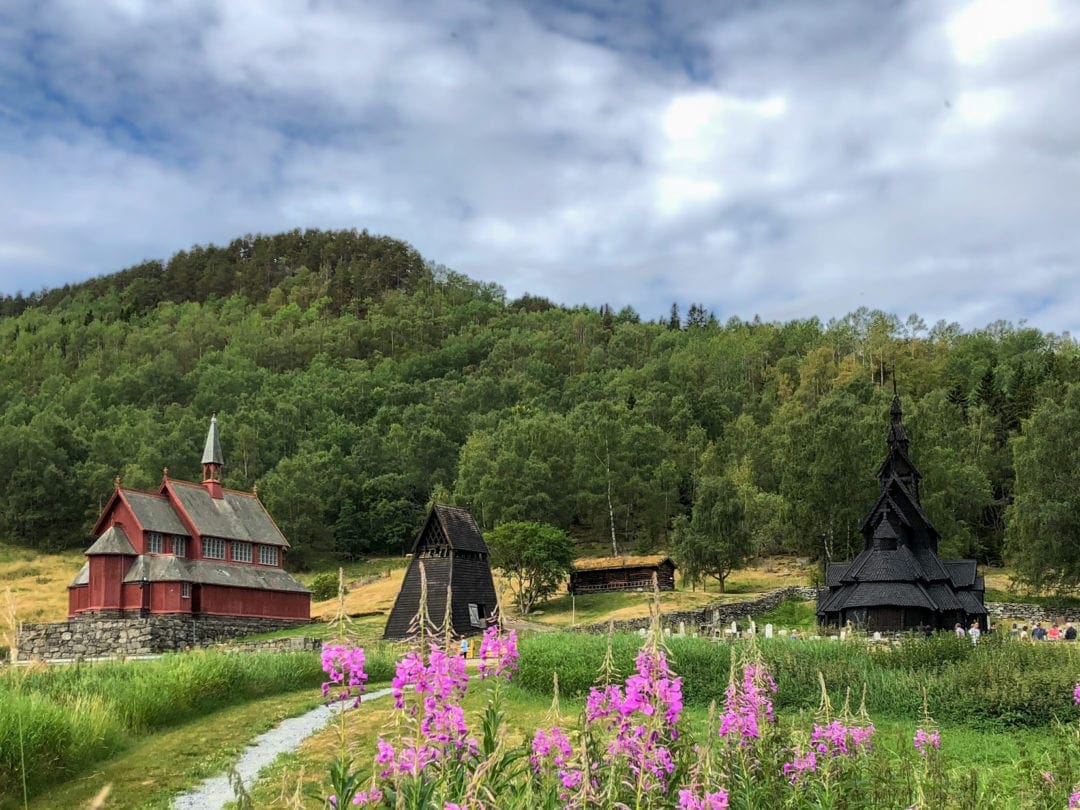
(898, 582)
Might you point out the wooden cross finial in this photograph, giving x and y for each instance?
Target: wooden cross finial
(118, 482)
(164, 472)
(255, 490)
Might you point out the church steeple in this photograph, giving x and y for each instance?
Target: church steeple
(897, 463)
(212, 460)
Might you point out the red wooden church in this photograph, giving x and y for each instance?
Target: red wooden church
(197, 549)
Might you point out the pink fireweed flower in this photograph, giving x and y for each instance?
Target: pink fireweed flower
(837, 739)
(801, 765)
(552, 743)
(747, 704)
(1076, 693)
(715, 800)
(498, 653)
(1074, 800)
(345, 668)
(372, 796)
(409, 760)
(923, 739)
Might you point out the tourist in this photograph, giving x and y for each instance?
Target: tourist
(959, 630)
(1070, 632)
(1014, 631)
(1039, 633)
(1053, 634)
(974, 633)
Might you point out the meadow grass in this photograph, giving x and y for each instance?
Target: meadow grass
(296, 779)
(154, 769)
(998, 684)
(60, 720)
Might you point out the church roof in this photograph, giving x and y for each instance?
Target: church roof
(208, 572)
(875, 565)
(154, 512)
(233, 516)
(83, 577)
(961, 572)
(460, 528)
(113, 541)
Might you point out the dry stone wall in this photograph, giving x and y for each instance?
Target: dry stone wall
(720, 613)
(90, 636)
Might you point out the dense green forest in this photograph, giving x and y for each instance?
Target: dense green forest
(354, 382)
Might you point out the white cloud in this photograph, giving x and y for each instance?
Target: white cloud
(782, 159)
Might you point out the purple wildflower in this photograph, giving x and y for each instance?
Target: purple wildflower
(715, 800)
(924, 738)
(800, 765)
(498, 653)
(1076, 693)
(1074, 800)
(746, 707)
(345, 668)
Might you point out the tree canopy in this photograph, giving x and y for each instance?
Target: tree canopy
(353, 380)
(535, 558)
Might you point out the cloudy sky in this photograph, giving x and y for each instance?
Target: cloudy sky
(785, 159)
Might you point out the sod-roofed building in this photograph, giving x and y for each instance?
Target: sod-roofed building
(898, 582)
(598, 574)
(454, 560)
(187, 548)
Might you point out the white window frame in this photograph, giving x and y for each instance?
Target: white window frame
(241, 552)
(155, 543)
(211, 545)
(268, 555)
(179, 546)
(185, 590)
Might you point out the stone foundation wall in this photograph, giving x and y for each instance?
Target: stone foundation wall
(91, 636)
(703, 619)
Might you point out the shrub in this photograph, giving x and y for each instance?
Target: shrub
(325, 586)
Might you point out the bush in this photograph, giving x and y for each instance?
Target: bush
(325, 586)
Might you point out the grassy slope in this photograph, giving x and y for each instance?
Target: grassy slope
(37, 583)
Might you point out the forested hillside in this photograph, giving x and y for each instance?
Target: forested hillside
(353, 381)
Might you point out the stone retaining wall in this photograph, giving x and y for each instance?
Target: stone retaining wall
(1030, 614)
(720, 613)
(723, 613)
(89, 636)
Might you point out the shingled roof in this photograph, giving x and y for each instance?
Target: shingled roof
(233, 516)
(208, 572)
(113, 541)
(460, 528)
(154, 512)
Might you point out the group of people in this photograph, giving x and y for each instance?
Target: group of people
(1040, 633)
(972, 632)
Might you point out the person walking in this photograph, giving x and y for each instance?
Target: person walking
(974, 632)
(959, 630)
(1070, 632)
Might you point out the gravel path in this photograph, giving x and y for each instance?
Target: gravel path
(264, 749)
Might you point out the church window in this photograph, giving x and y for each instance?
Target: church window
(268, 555)
(213, 548)
(155, 543)
(179, 547)
(241, 552)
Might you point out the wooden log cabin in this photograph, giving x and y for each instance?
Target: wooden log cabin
(599, 574)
